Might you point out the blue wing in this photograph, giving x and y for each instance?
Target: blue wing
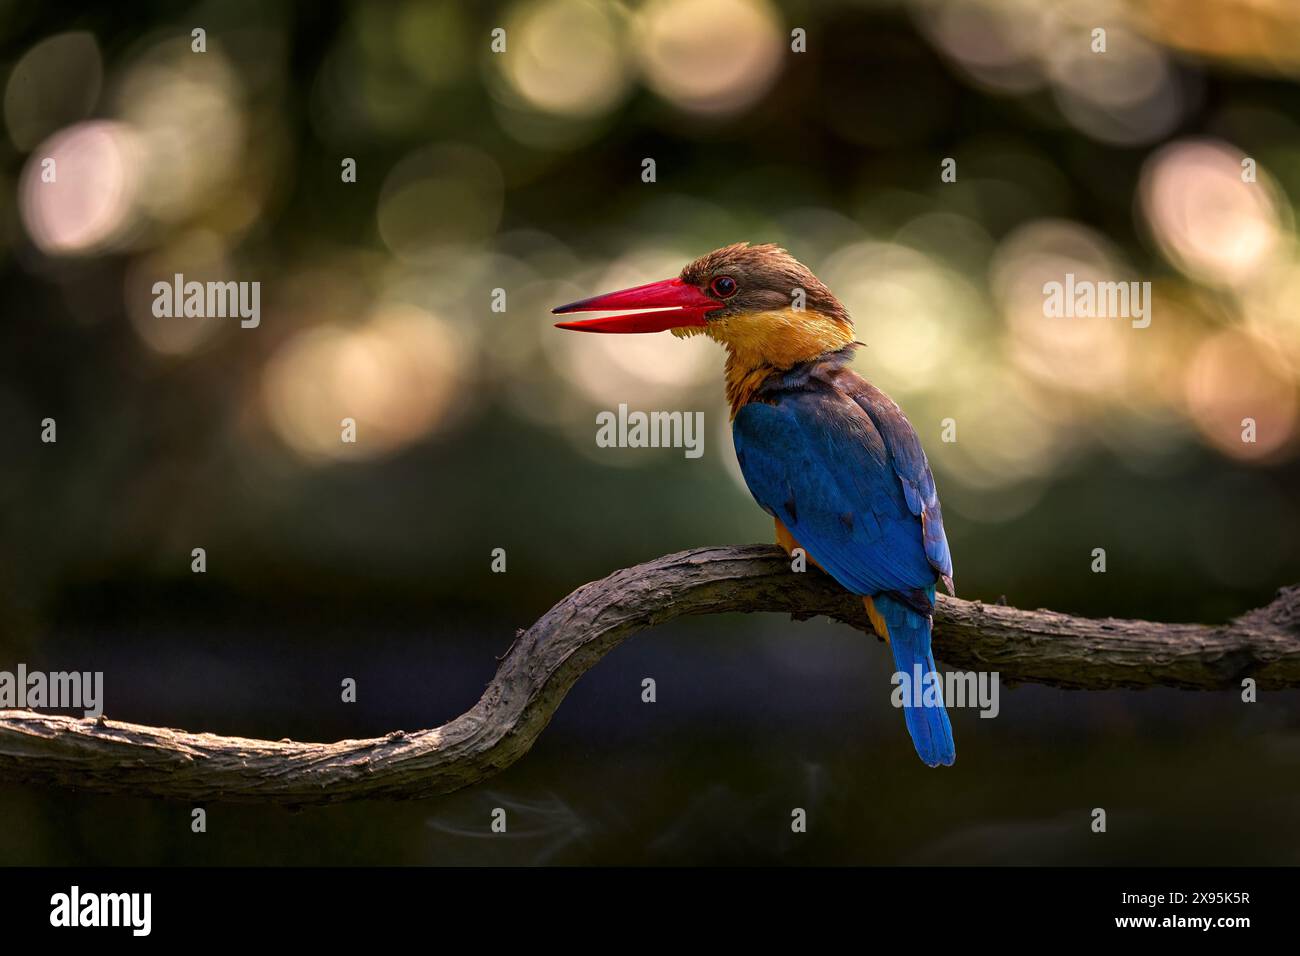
(838, 463)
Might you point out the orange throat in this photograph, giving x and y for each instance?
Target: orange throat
(760, 344)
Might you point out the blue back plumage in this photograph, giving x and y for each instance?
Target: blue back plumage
(835, 460)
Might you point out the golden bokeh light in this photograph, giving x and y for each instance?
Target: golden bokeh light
(568, 57)
(1214, 226)
(1240, 396)
(78, 190)
(1085, 355)
(996, 44)
(396, 375)
(1126, 96)
(1269, 304)
(1003, 428)
(909, 310)
(185, 110)
(1256, 34)
(710, 56)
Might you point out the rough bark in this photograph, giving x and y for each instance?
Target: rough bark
(1043, 647)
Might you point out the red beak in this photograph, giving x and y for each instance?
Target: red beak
(677, 305)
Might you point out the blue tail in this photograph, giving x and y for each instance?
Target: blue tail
(909, 636)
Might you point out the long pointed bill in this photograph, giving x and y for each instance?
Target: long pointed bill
(676, 304)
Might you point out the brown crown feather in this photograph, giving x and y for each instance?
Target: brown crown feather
(766, 277)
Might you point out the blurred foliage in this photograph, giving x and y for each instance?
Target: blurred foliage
(521, 171)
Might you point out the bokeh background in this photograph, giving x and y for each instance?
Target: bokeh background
(522, 171)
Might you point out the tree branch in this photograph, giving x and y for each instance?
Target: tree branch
(1043, 647)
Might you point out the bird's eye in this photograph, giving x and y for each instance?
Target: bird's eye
(723, 286)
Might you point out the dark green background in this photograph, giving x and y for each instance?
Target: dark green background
(379, 569)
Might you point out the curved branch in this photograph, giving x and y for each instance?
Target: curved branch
(1037, 646)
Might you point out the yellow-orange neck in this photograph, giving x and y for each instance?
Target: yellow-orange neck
(760, 343)
(743, 382)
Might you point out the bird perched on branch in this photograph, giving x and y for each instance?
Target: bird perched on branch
(827, 454)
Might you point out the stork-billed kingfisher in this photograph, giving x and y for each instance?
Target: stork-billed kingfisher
(831, 457)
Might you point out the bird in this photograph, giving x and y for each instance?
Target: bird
(828, 455)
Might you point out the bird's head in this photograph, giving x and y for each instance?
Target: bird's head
(760, 302)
